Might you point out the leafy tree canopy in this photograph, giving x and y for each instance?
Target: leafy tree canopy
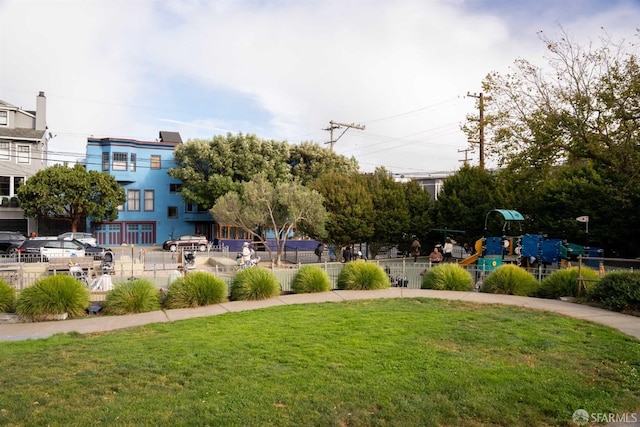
(211, 168)
(391, 210)
(309, 160)
(350, 208)
(70, 193)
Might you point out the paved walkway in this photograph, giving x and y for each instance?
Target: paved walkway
(630, 325)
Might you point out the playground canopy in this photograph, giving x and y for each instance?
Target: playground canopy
(507, 214)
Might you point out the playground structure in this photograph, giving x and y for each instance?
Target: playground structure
(527, 250)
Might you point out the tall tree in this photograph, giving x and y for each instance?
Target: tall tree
(349, 206)
(392, 216)
(70, 194)
(210, 169)
(581, 108)
(309, 161)
(465, 199)
(261, 207)
(421, 210)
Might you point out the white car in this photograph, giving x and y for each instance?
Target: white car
(52, 247)
(83, 237)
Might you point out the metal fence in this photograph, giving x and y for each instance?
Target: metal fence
(156, 265)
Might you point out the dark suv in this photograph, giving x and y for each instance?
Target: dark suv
(187, 241)
(10, 241)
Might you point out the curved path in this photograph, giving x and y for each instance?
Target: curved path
(629, 325)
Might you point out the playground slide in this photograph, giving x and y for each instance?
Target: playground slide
(469, 260)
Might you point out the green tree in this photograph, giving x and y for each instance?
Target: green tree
(280, 208)
(71, 193)
(391, 219)
(465, 199)
(421, 209)
(349, 206)
(582, 108)
(210, 169)
(309, 161)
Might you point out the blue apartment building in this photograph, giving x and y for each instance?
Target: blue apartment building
(154, 211)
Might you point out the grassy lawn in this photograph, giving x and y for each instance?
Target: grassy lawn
(393, 362)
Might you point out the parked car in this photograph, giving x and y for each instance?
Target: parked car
(10, 241)
(186, 241)
(83, 237)
(52, 247)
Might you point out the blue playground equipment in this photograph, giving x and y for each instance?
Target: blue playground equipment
(528, 248)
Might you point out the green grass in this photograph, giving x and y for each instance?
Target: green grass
(389, 362)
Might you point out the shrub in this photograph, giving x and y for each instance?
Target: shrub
(53, 295)
(7, 297)
(618, 291)
(135, 296)
(509, 279)
(564, 283)
(196, 289)
(311, 278)
(254, 284)
(448, 276)
(362, 275)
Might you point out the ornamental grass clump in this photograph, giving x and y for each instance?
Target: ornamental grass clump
(362, 275)
(134, 296)
(7, 297)
(564, 283)
(447, 277)
(310, 278)
(196, 289)
(53, 295)
(509, 279)
(254, 284)
(618, 291)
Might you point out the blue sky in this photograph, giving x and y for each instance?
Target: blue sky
(280, 69)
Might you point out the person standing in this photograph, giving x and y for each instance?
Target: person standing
(448, 249)
(246, 253)
(415, 249)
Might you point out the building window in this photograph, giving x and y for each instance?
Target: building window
(148, 200)
(133, 200)
(5, 154)
(4, 118)
(105, 161)
(119, 161)
(172, 212)
(175, 188)
(24, 154)
(155, 161)
(5, 185)
(17, 183)
(133, 158)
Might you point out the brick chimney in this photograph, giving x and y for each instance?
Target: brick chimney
(41, 111)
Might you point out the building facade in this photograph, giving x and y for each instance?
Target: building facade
(154, 210)
(23, 152)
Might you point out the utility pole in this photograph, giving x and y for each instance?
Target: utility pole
(480, 98)
(466, 155)
(336, 125)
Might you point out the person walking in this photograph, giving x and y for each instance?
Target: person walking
(318, 251)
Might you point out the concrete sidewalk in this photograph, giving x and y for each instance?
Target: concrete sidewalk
(630, 325)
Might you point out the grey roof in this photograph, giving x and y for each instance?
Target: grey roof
(170, 137)
(21, 133)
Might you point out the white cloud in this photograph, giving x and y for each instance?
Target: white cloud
(280, 69)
